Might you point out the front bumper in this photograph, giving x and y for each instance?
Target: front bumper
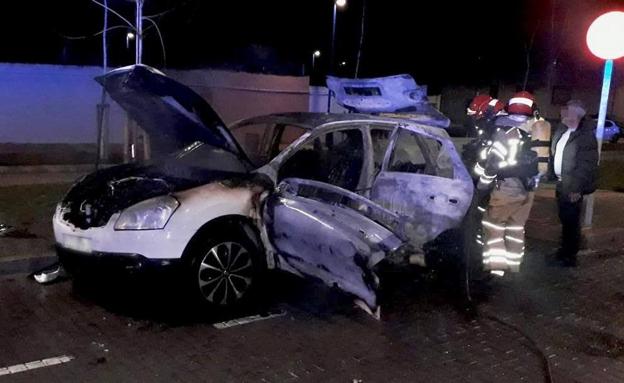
(76, 262)
(162, 244)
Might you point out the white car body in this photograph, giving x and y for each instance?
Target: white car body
(305, 226)
(164, 244)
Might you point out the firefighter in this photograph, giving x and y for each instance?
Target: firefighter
(482, 110)
(523, 112)
(507, 167)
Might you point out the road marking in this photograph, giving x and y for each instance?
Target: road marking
(246, 320)
(35, 364)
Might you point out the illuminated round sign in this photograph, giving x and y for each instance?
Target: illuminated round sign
(605, 36)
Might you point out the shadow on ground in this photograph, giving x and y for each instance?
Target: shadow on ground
(162, 299)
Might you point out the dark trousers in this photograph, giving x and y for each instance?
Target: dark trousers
(570, 217)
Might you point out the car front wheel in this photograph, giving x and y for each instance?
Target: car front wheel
(225, 271)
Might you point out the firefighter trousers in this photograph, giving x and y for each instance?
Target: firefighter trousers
(503, 225)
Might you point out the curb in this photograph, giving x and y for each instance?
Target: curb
(35, 169)
(599, 239)
(38, 169)
(29, 265)
(605, 238)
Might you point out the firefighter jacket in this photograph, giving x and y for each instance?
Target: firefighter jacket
(507, 155)
(484, 129)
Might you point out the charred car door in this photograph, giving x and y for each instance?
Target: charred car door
(322, 231)
(424, 182)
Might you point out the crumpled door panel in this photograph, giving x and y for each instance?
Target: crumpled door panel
(428, 205)
(328, 233)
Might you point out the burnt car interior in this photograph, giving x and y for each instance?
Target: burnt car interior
(380, 139)
(284, 136)
(415, 153)
(335, 158)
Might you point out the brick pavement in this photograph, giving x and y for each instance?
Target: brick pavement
(147, 334)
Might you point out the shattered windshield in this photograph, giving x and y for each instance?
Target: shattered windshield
(261, 142)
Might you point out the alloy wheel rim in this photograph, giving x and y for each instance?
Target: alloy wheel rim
(225, 273)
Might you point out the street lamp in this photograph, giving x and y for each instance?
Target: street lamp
(315, 55)
(337, 3)
(129, 36)
(605, 39)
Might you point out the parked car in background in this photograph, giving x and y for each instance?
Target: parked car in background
(612, 131)
(324, 196)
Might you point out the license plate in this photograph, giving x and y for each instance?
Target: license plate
(74, 242)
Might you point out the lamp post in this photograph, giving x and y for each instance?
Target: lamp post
(337, 3)
(129, 36)
(315, 55)
(139, 31)
(605, 39)
(102, 107)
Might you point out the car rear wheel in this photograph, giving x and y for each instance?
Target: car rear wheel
(225, 272)
(473, 279)
(615, 139)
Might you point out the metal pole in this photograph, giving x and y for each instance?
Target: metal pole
(604, 101)
(130, 129)
(333, 42)
(602, 114)
(139, 31)
(359, 53)
(551, 47)
(104, 46)
(102, 107)
(331, 56)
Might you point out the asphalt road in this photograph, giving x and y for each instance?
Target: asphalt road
(128, 329)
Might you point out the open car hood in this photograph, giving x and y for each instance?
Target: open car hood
(172, 114)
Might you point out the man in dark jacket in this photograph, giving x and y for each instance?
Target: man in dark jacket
(575, 163)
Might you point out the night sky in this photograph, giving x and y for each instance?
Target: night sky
(439, 42)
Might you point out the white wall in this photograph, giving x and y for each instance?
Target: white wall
(50, 104)
(238, 95)
(318, 101)
(57, 104)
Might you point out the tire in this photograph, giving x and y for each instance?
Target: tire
(225, 270)
(615, 139)
(472, 276)
(455, 259)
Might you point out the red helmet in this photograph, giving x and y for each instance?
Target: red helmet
(521, 103)
(482, 104)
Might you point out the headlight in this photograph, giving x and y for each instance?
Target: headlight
(147, 215)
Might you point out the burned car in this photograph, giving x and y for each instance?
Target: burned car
(323, 196)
